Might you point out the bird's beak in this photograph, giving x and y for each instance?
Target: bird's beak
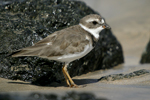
(105, 26)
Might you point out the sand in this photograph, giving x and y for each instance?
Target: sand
(129, 21)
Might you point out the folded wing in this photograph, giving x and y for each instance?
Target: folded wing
(58, 44)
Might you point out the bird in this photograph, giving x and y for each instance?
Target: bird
(68, 44)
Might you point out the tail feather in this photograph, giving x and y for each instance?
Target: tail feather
(27, 53)
(11, 54)
(19, 53)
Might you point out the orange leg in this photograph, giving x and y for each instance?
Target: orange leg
(66, 74)
(67, 81)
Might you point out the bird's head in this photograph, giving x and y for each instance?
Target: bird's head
(94, 24)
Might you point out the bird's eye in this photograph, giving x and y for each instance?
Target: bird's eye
(95, 22)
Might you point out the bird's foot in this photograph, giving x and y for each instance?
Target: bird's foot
(74, 86)
(77, 86)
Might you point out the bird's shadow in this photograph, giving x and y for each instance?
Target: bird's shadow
(19, 83)
(85, 81)
(63, 83)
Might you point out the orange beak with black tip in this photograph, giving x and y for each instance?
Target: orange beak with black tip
(105, 26)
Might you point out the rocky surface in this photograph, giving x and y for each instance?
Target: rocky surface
(124, 76)
(146, 55)
(130, 24)
(24, 22)
(41, 96)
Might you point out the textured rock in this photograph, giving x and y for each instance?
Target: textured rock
(124, 76)
(146, 55)
(25, 22)
(41, 96)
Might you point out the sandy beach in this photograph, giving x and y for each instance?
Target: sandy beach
(129, 21)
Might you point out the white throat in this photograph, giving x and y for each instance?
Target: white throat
(94, 32)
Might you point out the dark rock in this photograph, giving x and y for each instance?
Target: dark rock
(41, 96)
(124, 76)
(24, 22)
(146, 55)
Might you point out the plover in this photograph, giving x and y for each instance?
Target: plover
(68, 44)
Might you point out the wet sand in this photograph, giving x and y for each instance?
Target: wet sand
(129, 21)
(135, 88)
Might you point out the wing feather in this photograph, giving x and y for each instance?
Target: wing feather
(60, 43)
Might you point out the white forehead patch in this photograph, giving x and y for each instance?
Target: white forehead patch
(91, 20)
(102, 21)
